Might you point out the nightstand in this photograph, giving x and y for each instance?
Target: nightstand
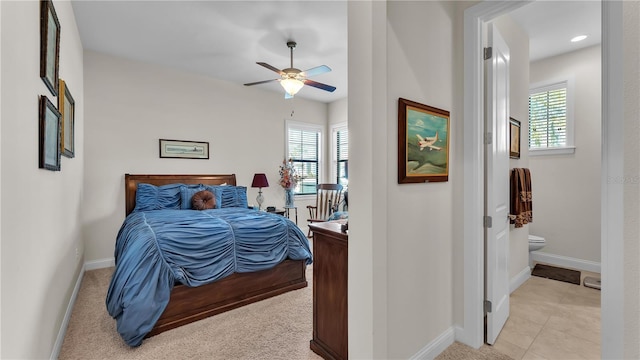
(288, 209)
(278, 211)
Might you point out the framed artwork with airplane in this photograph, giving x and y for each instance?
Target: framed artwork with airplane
(423, 143)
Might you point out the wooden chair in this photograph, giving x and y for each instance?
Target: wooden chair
(327, 200)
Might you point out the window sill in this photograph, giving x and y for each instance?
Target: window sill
(553, 151)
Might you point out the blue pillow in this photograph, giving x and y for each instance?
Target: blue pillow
(151, 197)
(216, 193)
(229, 196)
(241, 197)
(339, 215)
(186, 193)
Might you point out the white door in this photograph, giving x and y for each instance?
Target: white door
(497, 185)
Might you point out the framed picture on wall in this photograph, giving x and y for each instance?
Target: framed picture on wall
(49, 136)
(423, 143)
(514, 138)
(184, 149)
(49, 45)
(67, 108)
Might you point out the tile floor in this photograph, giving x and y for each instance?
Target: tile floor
(552, 320)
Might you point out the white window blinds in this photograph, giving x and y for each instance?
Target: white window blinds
(303, 150)
(548, 117)
(342, 155)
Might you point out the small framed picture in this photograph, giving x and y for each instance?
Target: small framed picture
(514, 138)
(49, 45)
(423, 143)
(184, 149)
(49, 136)
(67, 108)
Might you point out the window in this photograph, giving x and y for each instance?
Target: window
(340, 154)
(303, 148)
(550, 120)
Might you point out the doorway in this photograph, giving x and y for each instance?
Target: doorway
(612, 296)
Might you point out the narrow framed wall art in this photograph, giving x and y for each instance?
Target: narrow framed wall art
(49, 45)
(514, 138)
(67, 108)
(48, 135)
(184, 149)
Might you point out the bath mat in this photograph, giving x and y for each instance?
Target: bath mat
(556, 273)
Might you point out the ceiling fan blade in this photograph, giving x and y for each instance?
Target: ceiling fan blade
(320, 85)
(260, 82)
(270, 67)
(316, 71)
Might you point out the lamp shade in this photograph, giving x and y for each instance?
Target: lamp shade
(291, 86)
(260, 181)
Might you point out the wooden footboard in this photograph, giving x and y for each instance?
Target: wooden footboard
(189, 304)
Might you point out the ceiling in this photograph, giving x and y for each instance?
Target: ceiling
(225, 39)
(552, 24)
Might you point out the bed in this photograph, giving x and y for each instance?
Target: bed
(180, 287)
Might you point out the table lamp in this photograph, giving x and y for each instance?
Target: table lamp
(260, 181)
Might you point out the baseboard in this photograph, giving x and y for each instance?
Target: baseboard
(519, 279)
(55, 352)
(99, 264)
(437, 346)
(565, 261)
(462, 336)
(90, 265)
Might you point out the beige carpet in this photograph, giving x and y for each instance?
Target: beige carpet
(276, 328)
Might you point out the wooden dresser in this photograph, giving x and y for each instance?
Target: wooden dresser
(329, 291)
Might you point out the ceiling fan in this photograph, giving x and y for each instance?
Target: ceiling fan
(292, 79)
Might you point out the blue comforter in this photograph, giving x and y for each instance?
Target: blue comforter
(154, 249)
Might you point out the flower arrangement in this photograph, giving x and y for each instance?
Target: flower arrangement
(288, 175)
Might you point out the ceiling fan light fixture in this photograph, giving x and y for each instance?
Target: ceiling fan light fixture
(292, 79)
(291, 86)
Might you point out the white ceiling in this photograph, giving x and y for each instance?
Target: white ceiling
(552, 24)
(225, 39)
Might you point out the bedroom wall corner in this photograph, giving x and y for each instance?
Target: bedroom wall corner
(367, 178)
(40, 211)
(338, 111)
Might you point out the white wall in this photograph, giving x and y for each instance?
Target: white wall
(0, 178)
(566, 188)
(368, 167)
(518, 42)
(419, 219)
(131, 105)
(631, 183)
(41, 209)
(400, 264)
(338, 112)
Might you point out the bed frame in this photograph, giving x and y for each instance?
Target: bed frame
(189, 304)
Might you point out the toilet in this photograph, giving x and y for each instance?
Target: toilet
(536, 242)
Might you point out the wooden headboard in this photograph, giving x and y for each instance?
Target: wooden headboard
(131, 183)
